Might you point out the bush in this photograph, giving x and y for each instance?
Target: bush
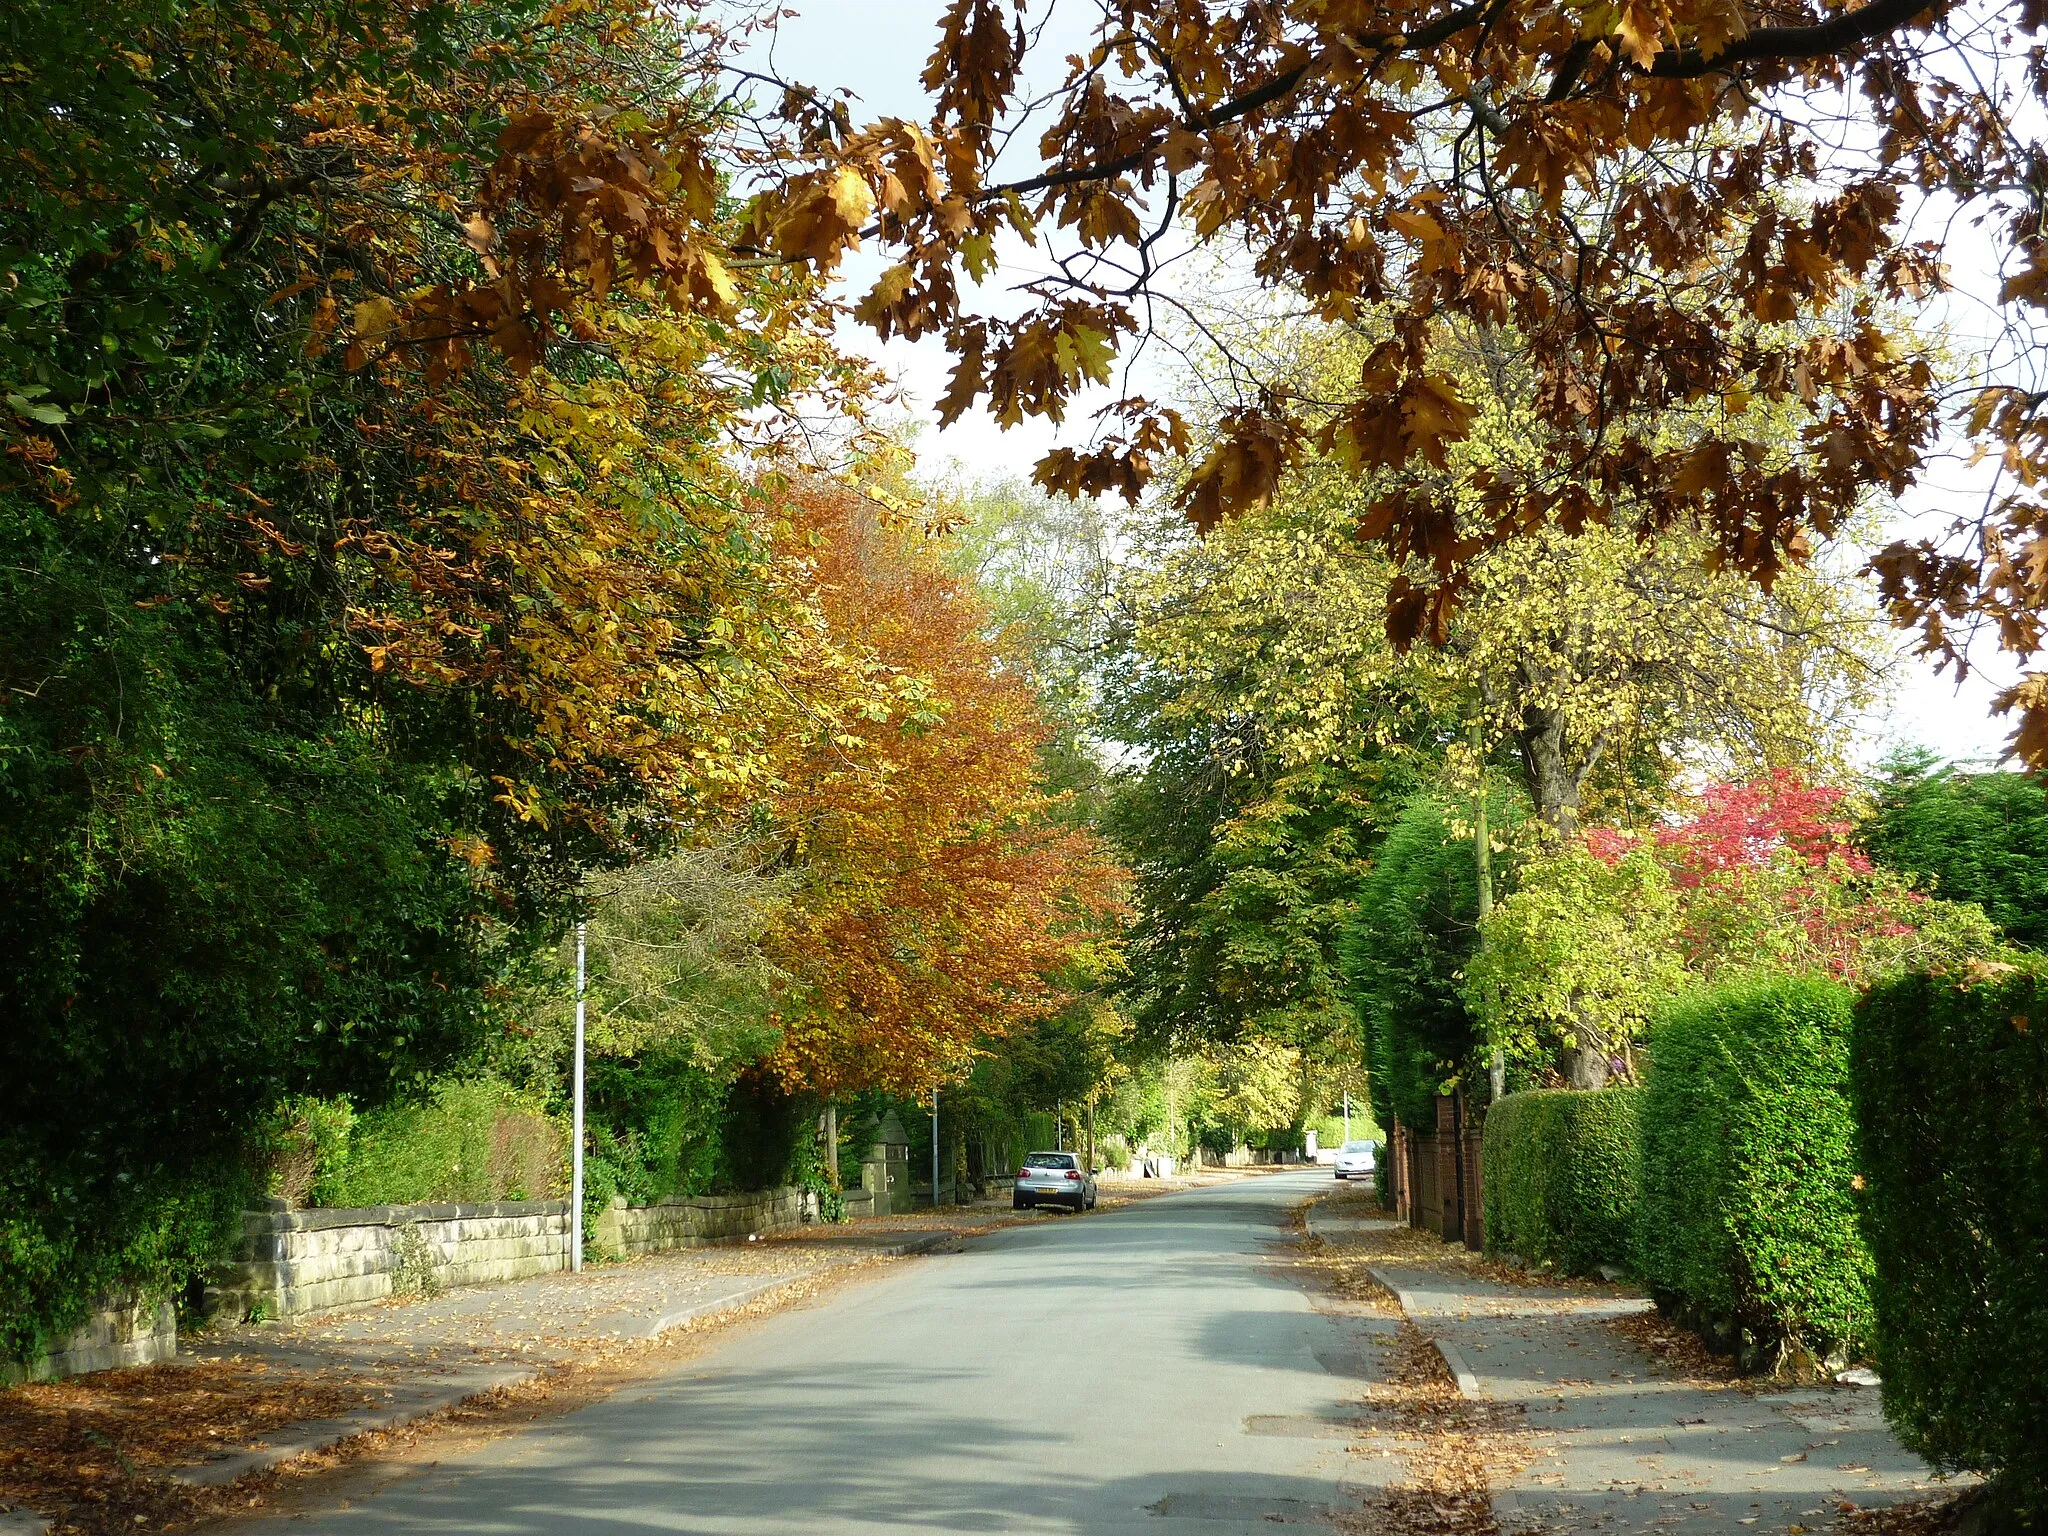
(1746, 1220)
(1951, 1085)
(1561, 1176)
(1980, 837)
(1382, 1181)
(305, 1149)
(479, 1139)
(1405, 957)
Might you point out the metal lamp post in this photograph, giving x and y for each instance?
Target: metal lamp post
(576, 1154)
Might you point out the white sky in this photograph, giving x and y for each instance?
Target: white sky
(879, 50)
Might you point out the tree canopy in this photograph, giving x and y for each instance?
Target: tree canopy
(1673, 209)
(1977, 837)
(940, 897)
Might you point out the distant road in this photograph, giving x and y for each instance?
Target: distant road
(1144, 1370)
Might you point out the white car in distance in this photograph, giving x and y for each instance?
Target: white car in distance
(1354, 1160)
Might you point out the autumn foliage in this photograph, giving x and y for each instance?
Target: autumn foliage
(938, 899)
(1693, 208)
(1767, 874)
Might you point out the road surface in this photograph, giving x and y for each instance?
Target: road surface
(1148, 1370)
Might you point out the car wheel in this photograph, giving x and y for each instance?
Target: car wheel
(1019, 1203)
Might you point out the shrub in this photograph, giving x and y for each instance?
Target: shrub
(478, 1139)
(1747, 1217)
(1405, 956)
(1951, 1085)
(305, 1149)
(1561, 1176)
(1382, 1182)
(1979, 837)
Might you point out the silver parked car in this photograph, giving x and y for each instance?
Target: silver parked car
(1054, 1178)
(1354, 1160)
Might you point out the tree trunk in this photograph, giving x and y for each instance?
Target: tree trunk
(1588, 1067)
(1552, 783)
(1586, 1063)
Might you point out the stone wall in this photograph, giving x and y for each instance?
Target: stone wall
(696, 1220)
(122, 1332)
(298, 1263)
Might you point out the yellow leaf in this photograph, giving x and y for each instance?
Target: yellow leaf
(1641, 31)
(852, 198)
(978, 252)
(722, 286)
(1084, 352)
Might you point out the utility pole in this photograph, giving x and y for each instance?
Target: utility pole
(1347, 1114)
(576, 1156)
(935, 1146)
(1091, 1133)
(1059, 1125)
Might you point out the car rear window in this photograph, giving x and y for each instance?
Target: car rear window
(1357, 1146)
(1049, 1160)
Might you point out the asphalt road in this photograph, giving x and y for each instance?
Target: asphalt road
(1142, 1370)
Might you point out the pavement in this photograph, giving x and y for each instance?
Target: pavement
(1617, 1442)
(1149, 1369)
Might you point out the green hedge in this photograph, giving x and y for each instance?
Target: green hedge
(1951, 1085)
(466, 1139)
(1561, 1176)
(1747, 1214)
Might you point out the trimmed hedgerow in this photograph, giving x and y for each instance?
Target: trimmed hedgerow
(1746, 1218)
(1951, 1086)
(1561, 1176)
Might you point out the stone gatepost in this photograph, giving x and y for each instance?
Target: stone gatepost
(885, 1171)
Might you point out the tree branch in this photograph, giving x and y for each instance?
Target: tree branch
(1835, 35)
(1280, 86)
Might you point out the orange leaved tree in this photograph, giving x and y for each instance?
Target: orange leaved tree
(939, 899)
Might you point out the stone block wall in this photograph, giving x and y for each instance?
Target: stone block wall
(300, 1263)
(696, 1220)
(124, 1331)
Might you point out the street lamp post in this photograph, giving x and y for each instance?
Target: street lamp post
(935, 1146)
(576, 1155)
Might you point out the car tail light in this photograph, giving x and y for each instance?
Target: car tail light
(1074, 1175)
(1023, 1173)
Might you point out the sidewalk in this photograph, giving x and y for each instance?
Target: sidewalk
(132, 1450)
(1617, 1441)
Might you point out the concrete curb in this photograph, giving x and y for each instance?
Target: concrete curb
(1409, 1309)
(660, 1325)
(1463, 1374)
(305, 1439)
(17, 1521)
(1455, 1362)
